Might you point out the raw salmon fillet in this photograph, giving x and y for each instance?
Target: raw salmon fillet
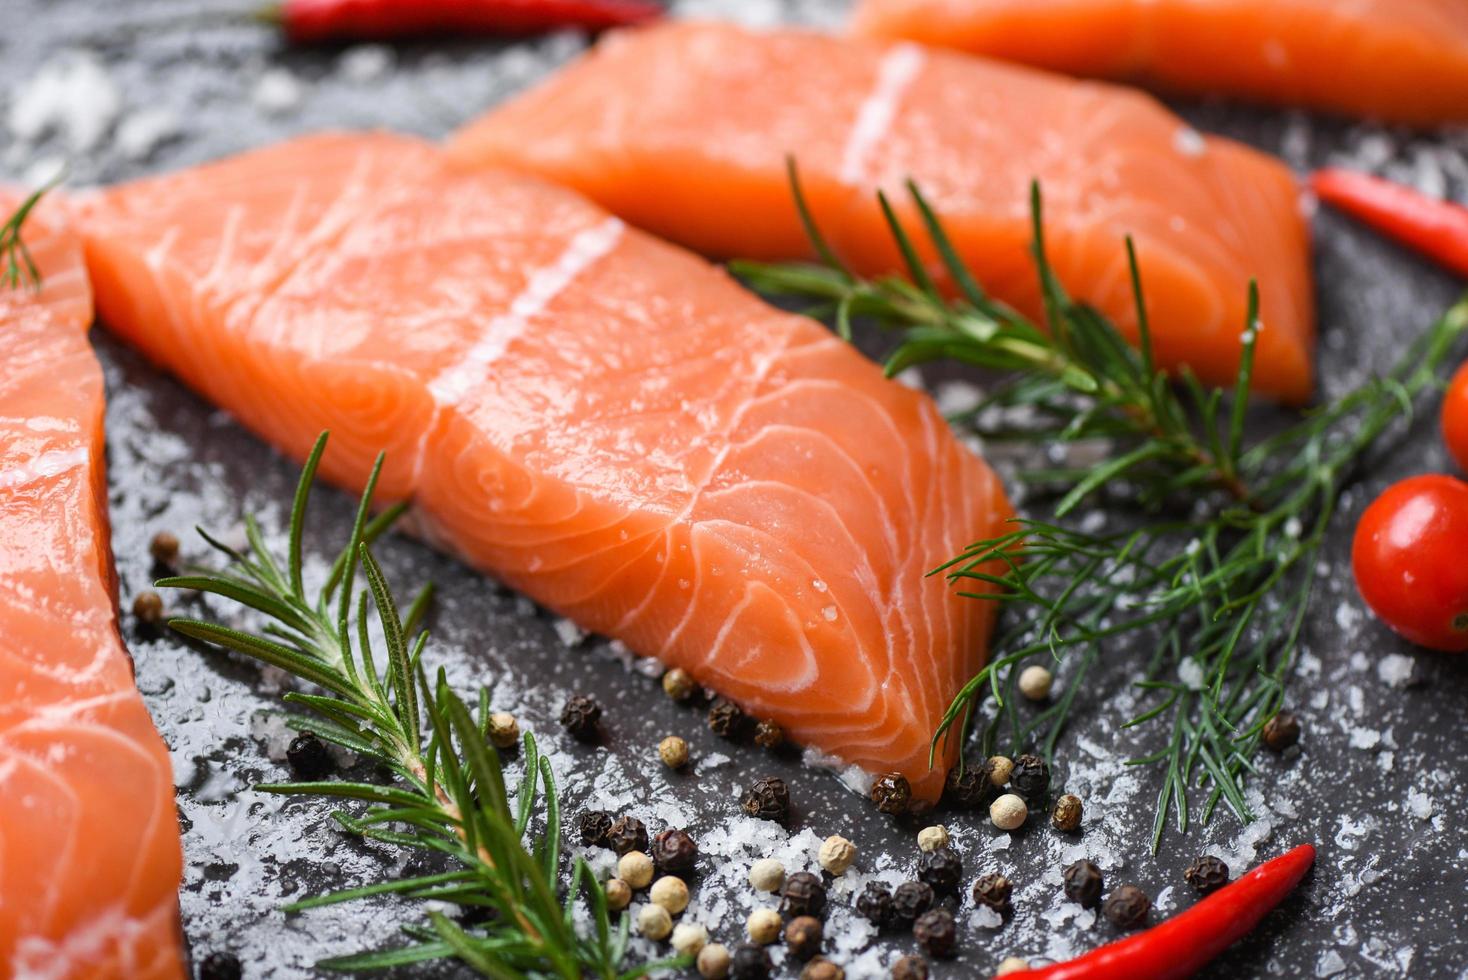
(89, 844)
(599, 419)
(1400, 60)
(684, 130)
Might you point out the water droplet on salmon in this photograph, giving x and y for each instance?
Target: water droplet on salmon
(818, 585)
(830, 613)
(683, 583)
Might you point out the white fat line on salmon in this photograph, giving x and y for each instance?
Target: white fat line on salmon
(899, 69)
(48, 464)
(545, 284)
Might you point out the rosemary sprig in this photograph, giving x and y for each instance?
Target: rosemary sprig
(1222, 592)
(17, 266)
(447, 794)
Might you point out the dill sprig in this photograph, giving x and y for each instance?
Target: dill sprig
(447, 793)
(17, 265)
(1221, 592)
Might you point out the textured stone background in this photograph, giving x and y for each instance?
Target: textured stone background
(1379, 783)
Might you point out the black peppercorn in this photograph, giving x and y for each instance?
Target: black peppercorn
(1083, 883)
(1066, 817)
(875, 904)
(768, 735)
(726, 720)
(220, 966)
(942, 869)
(971, 789)
(581, 716)
(993, 890)
(768, 799)
(1030, 778)
(1281, 731)
(936, 933)
(627, 834)
(1127, 907)
(803, 936)
(593, 826)
(803, 894)
(1207, 874)
(821, 968)
(910, 900)
(910, 968)
(892, 793)
(674, 852)
(308, 757)
(750, 962)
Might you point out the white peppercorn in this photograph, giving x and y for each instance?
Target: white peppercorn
(767, 875)
(504, 730)
(674, 752)
(635, 868)
(654, 922)
(713, 962)
(671, 893)
(836, 854)
(999, 768)
(1008, 812)
(1035, 681)
(763, 926)
(1012, 964)
(932, 838)
(689, 939)
(619, 894)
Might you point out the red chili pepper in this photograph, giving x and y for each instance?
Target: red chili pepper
(312, 21)
(1187, 942)
(1438, 229)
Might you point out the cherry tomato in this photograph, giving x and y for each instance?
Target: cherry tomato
(1455, 417)
(1410, 557)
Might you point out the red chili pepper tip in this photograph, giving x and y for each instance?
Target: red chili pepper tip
(1188, 941)
(1437, 229)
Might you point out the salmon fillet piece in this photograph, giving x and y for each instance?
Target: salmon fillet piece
(596, 418)
(1398, 60)
(684, 130)
(89, 842)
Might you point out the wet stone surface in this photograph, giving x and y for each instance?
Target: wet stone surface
(1378, 781)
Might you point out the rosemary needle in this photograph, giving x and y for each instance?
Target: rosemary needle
(447, 793)
(1221, 594)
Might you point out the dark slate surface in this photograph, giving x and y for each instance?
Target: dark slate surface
(1379, 782)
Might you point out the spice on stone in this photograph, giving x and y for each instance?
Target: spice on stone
(504, 730)
(910, 968)
(636, 869)
(1207, 874)
(1066, 817)
(803, 894)
(1008, 812)
(1281, 731)
(148, 608)
(593, 826)
(1127, 907)
(1035, 681)
(836, 854)
(821, 968)
(875, 904)
(768, 799)
(769, 735)
(309, 757)
(713, 962)
(750, 962)
(674, 752)
(942, 870)
(994, 891)
(726, 720)
(678, 685)
(970, 789)
(936, 933)
(763, 926)
(164, 548)
(619, 894)
(581, 717)
(910, 900)
(1083, 883)
(627, 834)
(767, 875)
(1011, 964)
(674, 851)
(1030, 778)
(654, 922)
(803, 936)
(892, 793)
(689, 939)
(671, 893)
(932, 838)
(999, 768)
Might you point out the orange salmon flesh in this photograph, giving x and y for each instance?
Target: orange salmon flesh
(684, 130)
(90, 861)
(597, 418)
(1396, 60)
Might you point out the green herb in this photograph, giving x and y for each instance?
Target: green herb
(447, 794)
(19, 267)
(1223, 588)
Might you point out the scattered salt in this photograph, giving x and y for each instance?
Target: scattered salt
(141, 132)
(277, 92)
(1419, 804)
(71, 95)
(366, 63)
(1395, 670)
